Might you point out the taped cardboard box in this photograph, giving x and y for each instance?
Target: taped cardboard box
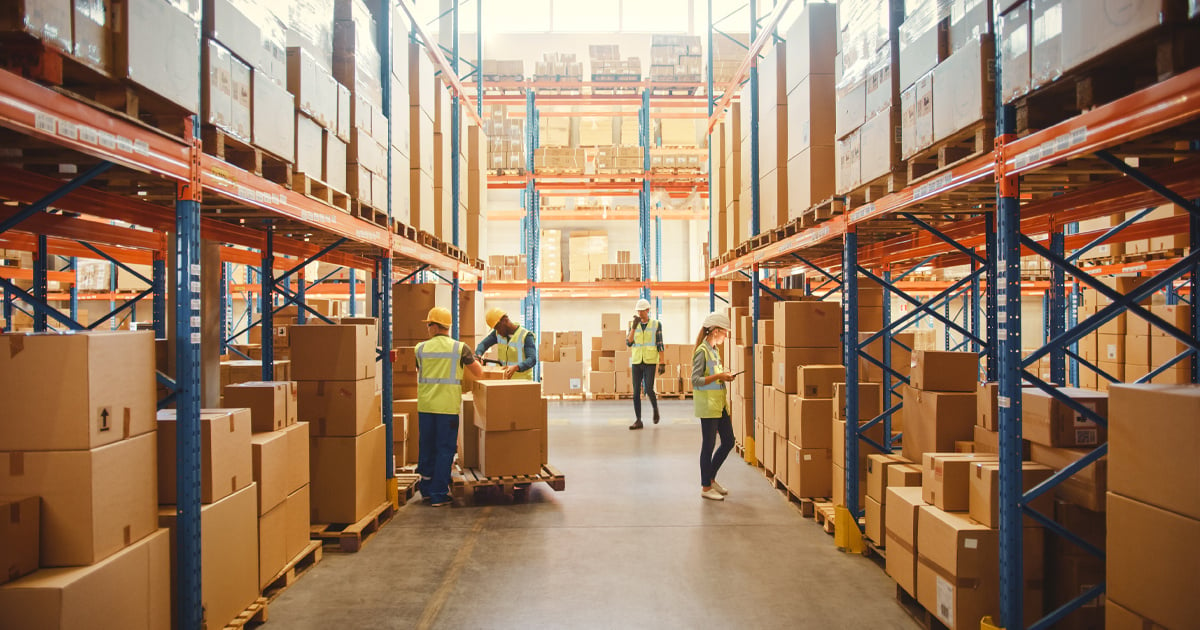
(272, 544)
(340, 408)
(270, 456)
(946, 479)
(903, 476)
(297, 517)
(984, 500)
(934, 421)
(1086, 488)
(900, 534)
(816, 381)
(1050, 422)
(156, 46)
(508, 405)
(808, 325)
(870, 399)
(298, 455)
(1149, 572)
(878, 466)
(809, 471)
(808, 422)
(786, 377)
(333, 352)
(226, 461)
(19, 536)
(1154, 435)
(504, 453)
(273, 405)
(937, 371)
(347, 480)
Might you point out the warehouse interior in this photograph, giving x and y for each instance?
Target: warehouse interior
(915, 277)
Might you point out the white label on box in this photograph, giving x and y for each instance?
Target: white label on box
(970, 543)
(945, 600)
(807, 457)
(1110, 351)
(576, 383)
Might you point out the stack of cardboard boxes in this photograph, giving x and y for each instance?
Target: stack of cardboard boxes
(511, 419)
(884, 472)
(809, 98)
(561, 357)
(940, 402)
(506, 145)
(339, 400)
(808, 435)
(551, 256)
(868, 95)
(508, 268)
(773, 139)
(80, 482)
(586, 252)
(611, 373)
(423, 88)
(676, 58)
(558, 67)
(503, 70)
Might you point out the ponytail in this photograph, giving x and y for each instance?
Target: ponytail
(701, 337)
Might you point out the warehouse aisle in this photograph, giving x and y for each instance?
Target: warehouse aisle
(629, 544)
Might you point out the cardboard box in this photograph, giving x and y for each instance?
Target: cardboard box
(985, 491)
(1149, 572)
(870, 398)
(875, 517)
(1118, 617)
(788, 359)
(923, 43)
(156, 46)
(766, 444)
(342, 352)
(1088, 33)
(468, 435)
(226, 463)
(19, 536)
(964, 89)
(903, 476)
(340, 408)
(49, 21)
(562, 378)
(270, 456)
(809, 471)
(764, 357)
(228, 554)
(103, 389)
(777, 411)
(808, 422)
(347, 476)
(988, 405)
(936, 371)
(271, 132)
(1015, 38)
(131, 589)
(877, 474)
(1046, 57)
(272, 405)
(1050, 422)
(298, 456)
(864, 449)
(503, 453)
(272, 544)
(508, 405)
(612, 341)
(900, 534)
(1086, 488)
(297, 509)
(808, 325)
(936, 420)
(1154, 435)
(989, 442)
(946, 479)
(816, 381)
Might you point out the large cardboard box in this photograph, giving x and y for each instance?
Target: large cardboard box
(934, 421)
(503, 453)
(272, 405)
(984, 501)
(764, 356)
(870, 399)
(1048, 421)
(964, 89)
(1154, 435)
(787, 360)
(808, 424)
(900, 534)
(342, 352)
(875, 515)
(93, 503)
(270, 455)
(19, 536)
(225, 454)
(937, 371)
(272, 544)
(272, 132)
(816, 381)
(776, 408)
(297, 517)
(1015, 39)
(130, 590)
(865, 449)
(1149, 571)
(347, 476)
(877, 474)
(156, 46)
(946, 479)
(508, 405)
(228, 554)
(1088, 33)
(47, 20)
(809, 471)
(808, 325)
(1046, 56)
(1086, 488)
(298, 454)
(340, 408)
(102, 389)
(562, 378)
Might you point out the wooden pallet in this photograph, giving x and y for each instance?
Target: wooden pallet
(923, 617)
(467, 484)
(314, 188)
(506, 172)
(250, 158)
(877, 188)
(871, 549)
(369, 213)
(673, 91)
(823, 512)
(566, 397)
(254, 615)
(298, 566)
(808, 505)
(406, 486)
(822, 212)
(947, 153)
(426, 239)
(350, 538)
(403, 229)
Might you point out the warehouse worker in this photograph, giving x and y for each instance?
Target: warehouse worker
(440, 364)
(517, 346)
(645, 338)
(712, 403)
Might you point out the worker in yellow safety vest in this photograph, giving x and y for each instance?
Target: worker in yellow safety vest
(645, 342)
(441, 361)
(712, 402)
(517, 347)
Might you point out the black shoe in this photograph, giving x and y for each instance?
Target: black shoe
(635, 426)
(656, 417)
(440, 502)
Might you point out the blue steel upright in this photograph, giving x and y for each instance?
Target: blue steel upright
(1057, 310)
(266, 294)
(850, 358)
(644, 193)
(41, 268)
(455, 169)
(708, 101)
(385, 262)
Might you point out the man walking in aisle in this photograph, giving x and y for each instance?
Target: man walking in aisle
(517, 346)
(645, 339)
(440, 364)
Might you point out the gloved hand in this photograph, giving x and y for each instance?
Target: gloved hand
(662, 369)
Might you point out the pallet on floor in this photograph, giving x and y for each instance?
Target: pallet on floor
(298, 566)
(566, 397)
(466, 484)
(254, 615)
(923, 617)
(874, 550)
(350, 538)
(314, 188)
(947, 153)
(823, 513)
(406, 486)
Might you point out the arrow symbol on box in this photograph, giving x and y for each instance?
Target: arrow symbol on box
(104, 419)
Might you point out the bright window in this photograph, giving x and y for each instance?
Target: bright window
(595, 16)
(515, 16)
(657, 16)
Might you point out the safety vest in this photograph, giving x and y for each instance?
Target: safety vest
(709, 400)
(645, 343)
(439, 379)
(512, 352)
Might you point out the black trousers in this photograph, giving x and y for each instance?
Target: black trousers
(710, 462)
(643, 373)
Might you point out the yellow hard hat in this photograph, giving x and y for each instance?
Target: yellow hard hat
(440, 316)
(493, 316)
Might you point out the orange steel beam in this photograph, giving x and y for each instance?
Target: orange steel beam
(439, 61)
(751, 59)
(595, 215)
(17, 273)
(71, 248)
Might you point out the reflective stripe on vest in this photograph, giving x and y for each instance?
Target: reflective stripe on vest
(709, 400)
(511, 351)
(439, 378)
(645, 344)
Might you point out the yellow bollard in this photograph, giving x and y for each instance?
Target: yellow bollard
(748, 452)
(988, 624)
(393, 492)
(846, 535)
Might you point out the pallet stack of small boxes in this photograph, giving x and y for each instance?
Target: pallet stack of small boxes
(624, 269)
(558, 67)
(512, 438)
(607, 64)
(508, 268)
(676, 59)
(587, 251)
(611, 373)
(79, 483)
(551, 256)
(561, 357)
(506, 136)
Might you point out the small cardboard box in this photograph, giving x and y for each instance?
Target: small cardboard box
(19, 536)
(272, 544)
(900, 534)
(1086, 488)
(816, 381)
(132, 588)
(936, 371)
(270, 455)
(272, 404)
(786, 377)
(934, 421)
(342, 352)
(946, 479)
(1149, 572)
(1050, 422)
(877, 474)
(298, 455)
(903, 476)
(984, 501)
(298, 510)
(226, 461)
(870, 400)
(347, 476)
(808, 422)
(340, 408)
(508, 405)
(988, 403)
(611, 322)
(1154, 435)
(503, 453)
(809, 471)
(808, 325)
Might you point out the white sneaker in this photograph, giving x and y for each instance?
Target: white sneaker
(712, 493)
(719, 488)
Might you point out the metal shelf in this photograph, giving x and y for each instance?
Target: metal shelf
(600, 289)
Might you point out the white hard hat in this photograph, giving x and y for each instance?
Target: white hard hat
(642, 305)
(716, 320)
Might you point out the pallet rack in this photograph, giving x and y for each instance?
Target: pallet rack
(1024, 197)
(177, 195)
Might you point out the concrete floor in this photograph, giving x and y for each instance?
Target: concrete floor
(629, 544)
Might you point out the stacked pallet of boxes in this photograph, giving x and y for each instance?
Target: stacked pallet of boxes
(940, 402)
(623, 269)
(443, 164)
(561, 357)
(280, 455)
(808, 436)
(1174, 245)
(408, 330)
(80, 483)
(1152, 506)
(883, 472)
(587, 251)
(1108, 347)
(732, 181)
(503, 70)
(317, 93)
(476, 193)
(607, 65)
(868, 98)
(508, 268)
(558, 67)
(611, 373)
(810, 105)
(339, 400)
(506, 146)
(728, 53)
(399, 179)
(511, 419)
(676, 59)
(423, 90)
(773, 139)
(551, 256)
(358, 66)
